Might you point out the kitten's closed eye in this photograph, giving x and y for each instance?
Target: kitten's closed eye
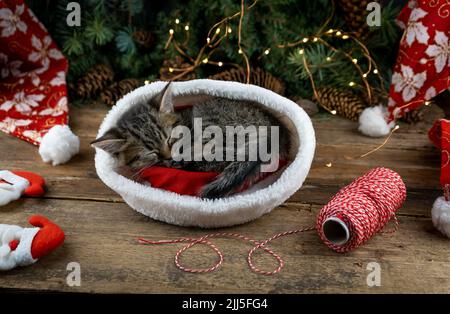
(143, 161)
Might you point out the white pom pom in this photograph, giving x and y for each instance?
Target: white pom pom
(372, 122)
(59, 145)
(440, 215)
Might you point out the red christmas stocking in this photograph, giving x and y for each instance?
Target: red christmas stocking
(423, 64)
(33, 94)
(439, 134)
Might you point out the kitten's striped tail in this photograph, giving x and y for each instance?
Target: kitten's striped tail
(234, 176)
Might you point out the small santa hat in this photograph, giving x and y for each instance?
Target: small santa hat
(24, 246)
(33, 93)
(422, 69)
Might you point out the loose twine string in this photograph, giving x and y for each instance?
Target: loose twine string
(365, 206)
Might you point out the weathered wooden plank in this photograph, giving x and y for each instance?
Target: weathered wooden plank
(102, 238)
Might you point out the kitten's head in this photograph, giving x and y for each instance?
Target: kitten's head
(142, 137)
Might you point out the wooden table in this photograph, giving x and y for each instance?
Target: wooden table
(101, 230)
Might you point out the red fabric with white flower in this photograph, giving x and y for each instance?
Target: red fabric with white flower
(439, 135)
(33, 94)
(423, 64)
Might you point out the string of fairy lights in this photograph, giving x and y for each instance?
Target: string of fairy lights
(223, 28)
(216, 34)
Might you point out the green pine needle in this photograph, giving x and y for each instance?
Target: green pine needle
(73, 45)
(125, 42)
(98, 31)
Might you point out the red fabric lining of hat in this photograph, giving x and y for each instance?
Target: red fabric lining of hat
(190, 182)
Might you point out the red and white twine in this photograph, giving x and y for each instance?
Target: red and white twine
(365, 206)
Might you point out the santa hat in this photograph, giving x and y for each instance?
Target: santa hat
(24, 246)
(33, 93)
(422, 69)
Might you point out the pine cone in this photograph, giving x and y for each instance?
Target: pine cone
(355, 14)
(114, 92)
(144, 38)
(345, 103)
(376, 98)
(413, 116)
(96, 79)
(257, 77)
(166, 73)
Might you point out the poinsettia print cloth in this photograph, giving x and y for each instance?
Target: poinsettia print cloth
(423, 64)
(33, 94)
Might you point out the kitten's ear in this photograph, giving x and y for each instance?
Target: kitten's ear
(166, 99)
(111, 142)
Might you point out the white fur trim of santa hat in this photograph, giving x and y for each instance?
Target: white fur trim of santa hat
(372, 122)
(239, 208)
(440, 215)
(21, 256)
(58, 145)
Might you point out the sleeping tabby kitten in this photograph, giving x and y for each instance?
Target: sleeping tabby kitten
(143, 137)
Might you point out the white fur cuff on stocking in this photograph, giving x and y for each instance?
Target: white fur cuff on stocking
(59, 145)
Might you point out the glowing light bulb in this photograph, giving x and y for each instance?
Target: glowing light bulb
(208, 40)
(338, 33)
(301, 51)
(352, 84)
(229, 30)
(218, 30)
(328, 59)
(355, 61)
(330, 31)
(171, 31)
(186, 27)
(146, 82)
(267, 51)
(345, 37)
(365, 75)
(240, 51)
(427, 103)
(220, 63)
(375, 71)
(333, 112)
(170, 70)
(315, 39)
(177, 21)
(205, 60)
(305, 40)
(329, 165)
